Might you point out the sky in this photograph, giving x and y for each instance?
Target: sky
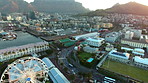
(103, 4)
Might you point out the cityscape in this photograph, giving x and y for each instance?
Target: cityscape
(61, 41)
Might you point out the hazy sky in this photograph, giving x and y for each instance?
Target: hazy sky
(103, 4)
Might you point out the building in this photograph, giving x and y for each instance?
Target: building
(126, 25)
(109, 80)
(144, 37)
(109, 47)
(135, 43)
(141, 62)
(55, 75)
(103, 25)
(90, 49)
(18, 51)
(138, 51)
(49, 64)
(97, 42)
(117, 56)
(85, 36)
(126, 49)
(137, 33)
(129, 35)
(112, 37)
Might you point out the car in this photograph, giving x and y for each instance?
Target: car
(73, 71)
(70, 65)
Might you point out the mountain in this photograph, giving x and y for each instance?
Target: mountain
(9, 6)
(128, 8)
(48, 6)
(58, 6)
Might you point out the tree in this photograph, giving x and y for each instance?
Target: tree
(61, 64)
(32, 15)
(66, 69)
(72, 77)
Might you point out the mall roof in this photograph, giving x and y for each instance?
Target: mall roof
(65, 40)
(57, 76)
(48, 63)
(125, 48)
(141, 60)
(86, 35)
(138, 51)
(83, 42)
(118, 54)
(69, 43)
(96, 40)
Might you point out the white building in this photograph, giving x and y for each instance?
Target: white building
(135, 43)
(90, 49)
(97, 42)
(138, 51)
(109, 80)
(109, 47)
(88, 35)
(14, 52)
(137, 33)
(126, 49)
(141, 62)
(112, 37)
(117, 56)
(144, 37)
(129, 35)
(126, 25)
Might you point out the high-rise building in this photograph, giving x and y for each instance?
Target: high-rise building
(137, 33)
(129, 35)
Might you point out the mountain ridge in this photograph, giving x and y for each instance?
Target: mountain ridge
(128, 8)
(59, 6)
(47, 6)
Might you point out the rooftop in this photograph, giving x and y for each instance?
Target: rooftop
(65, 40)
(96, 39)
(145, 41)
(118, 54)
(141, 60)
(57, 76)
(69, 43)
(86, 35)
(48, 62)
(112, 34)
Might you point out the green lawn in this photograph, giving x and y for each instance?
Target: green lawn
(126, 70)
(84, 55)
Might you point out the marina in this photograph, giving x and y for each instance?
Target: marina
(23, 38)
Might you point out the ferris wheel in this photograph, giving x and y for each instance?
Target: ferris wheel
(25, 70)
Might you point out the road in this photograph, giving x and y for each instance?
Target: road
(104, 58)
(65, 53)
